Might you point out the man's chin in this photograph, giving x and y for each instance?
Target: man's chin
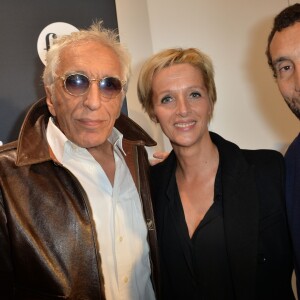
(296, 112)
(92, 143)
(95, 144)
(294, 108)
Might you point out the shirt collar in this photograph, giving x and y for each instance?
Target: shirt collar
(59, 143)
(116, 139)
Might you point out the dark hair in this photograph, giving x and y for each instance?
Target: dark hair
(287, 17)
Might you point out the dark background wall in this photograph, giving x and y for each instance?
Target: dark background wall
(21, 22)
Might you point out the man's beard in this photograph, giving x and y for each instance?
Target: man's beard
(292, 104)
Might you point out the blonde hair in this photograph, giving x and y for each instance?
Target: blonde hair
(168, 58)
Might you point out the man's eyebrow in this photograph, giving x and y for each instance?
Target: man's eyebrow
(279, 59)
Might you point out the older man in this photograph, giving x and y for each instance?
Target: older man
(283, 54)
(74, 196)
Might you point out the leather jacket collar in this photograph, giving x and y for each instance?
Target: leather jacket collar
(32, 146)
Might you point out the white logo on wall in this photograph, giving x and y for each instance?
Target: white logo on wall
(49, 33)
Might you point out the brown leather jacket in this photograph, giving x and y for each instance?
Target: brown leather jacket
(48, 245)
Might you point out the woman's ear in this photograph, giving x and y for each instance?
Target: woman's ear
(210, 112)
(153, 118)
(152, 115)
(49, 101)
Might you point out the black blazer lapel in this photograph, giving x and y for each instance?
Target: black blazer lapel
(241, 217)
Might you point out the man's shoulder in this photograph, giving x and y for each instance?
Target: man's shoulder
(5, 148)
(293, 152)
(8, 154)
(295, 145)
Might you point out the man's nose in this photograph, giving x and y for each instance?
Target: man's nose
(93, 98)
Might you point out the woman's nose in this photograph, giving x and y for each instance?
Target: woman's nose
(183, 106)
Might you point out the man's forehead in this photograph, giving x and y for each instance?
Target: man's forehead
(88, 56)
(286, 42)
(82, 46)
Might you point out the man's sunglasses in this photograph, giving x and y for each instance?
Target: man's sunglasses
(79, 84)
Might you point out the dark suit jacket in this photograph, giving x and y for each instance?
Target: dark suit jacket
(257, 239)
(292, 160)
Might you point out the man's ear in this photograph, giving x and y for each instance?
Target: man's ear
(49, 101)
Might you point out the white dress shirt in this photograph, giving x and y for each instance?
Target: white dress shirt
(117, 213)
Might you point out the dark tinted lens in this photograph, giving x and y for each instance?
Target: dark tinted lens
(77, 84)
(110, 87)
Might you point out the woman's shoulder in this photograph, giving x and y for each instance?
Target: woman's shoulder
(233, 152)
(268, 164)
(262, 156)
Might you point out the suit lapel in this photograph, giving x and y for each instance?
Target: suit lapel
(241, 218)
(241, 230)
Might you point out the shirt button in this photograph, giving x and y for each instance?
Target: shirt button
(125, 279)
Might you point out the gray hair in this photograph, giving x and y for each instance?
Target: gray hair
(96, 32)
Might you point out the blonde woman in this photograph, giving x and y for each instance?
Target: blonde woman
(219, 210)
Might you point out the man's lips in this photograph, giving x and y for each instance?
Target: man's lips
(91, 122)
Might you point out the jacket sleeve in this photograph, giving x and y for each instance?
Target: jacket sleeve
(6, 266)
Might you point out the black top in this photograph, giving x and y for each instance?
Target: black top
(201, 263)
(254, 225)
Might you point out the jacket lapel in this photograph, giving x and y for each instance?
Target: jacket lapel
(241, 218)
(241, 231)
